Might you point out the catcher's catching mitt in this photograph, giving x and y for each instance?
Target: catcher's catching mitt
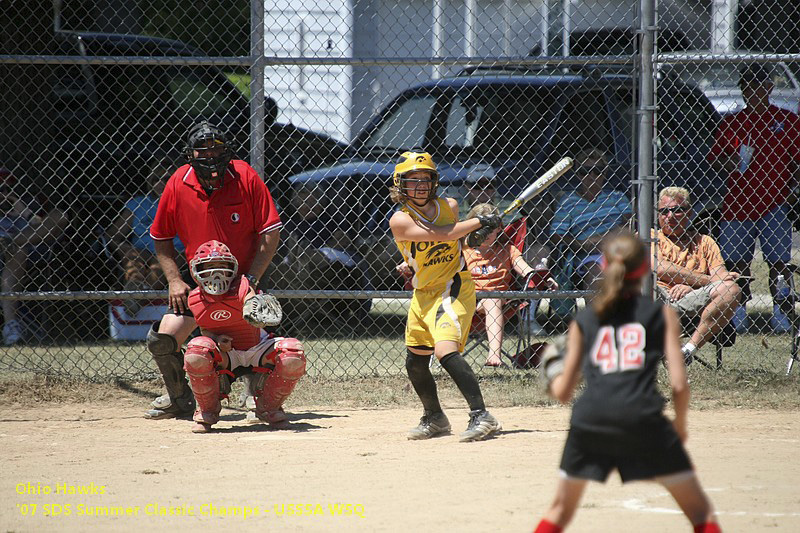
(552, 362)
(262, 310)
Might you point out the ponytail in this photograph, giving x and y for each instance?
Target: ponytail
(624, 264)
(611, 289)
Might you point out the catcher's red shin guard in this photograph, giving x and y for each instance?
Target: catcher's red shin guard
(272, 388)
(199, 361)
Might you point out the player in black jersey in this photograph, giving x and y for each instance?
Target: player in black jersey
(617, 343)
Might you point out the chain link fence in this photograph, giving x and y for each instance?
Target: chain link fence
(322, 99)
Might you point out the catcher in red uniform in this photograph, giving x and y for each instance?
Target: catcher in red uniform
(226, 308)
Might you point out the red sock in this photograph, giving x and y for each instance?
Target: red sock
(547, 527)
(708, 527)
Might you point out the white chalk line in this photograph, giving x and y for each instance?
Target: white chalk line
(641, 505)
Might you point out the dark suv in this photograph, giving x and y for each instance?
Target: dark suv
(110, 119)
(520, 121)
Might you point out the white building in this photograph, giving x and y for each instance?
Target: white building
(339, 100)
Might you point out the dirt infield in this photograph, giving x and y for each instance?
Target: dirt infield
(107, 469)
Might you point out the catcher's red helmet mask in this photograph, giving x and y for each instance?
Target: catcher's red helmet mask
(209, 276)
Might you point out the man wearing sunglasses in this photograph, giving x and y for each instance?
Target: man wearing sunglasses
(690, 272)
(583, 218)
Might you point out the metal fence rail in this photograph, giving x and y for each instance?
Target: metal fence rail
(322, 99)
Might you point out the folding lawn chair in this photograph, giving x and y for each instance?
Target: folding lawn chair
(794, 356)
(518, 311)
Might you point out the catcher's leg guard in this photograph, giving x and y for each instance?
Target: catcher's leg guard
(169, 359)
(200, 361)
(273, 387)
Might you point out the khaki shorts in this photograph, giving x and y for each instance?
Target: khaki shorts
(692, 304)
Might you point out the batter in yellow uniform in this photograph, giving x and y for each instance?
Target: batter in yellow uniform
(428, 233)
(444, 293)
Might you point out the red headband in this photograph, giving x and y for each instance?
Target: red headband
(638, 273)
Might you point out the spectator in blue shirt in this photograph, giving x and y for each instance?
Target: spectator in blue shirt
(318, 253)
(584, 217)
(130, 236)
(27, 233)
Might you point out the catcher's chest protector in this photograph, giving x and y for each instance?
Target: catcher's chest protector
(223, 315)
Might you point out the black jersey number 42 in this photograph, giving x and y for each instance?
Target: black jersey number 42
(619, 349)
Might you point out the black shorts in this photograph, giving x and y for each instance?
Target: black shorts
(642, 452)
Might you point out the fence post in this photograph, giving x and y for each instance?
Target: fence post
(257, 86)
(646, 111)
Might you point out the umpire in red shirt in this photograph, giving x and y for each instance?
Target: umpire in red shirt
(213, 197)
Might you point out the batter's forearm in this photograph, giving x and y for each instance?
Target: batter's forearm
(425, 231)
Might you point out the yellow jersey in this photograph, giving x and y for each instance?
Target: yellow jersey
(432, 263)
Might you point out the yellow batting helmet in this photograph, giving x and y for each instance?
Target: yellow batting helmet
(415, 162)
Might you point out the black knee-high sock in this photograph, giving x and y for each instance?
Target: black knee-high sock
(419, 372)
(465, 379)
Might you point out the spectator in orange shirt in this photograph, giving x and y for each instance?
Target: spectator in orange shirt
(492, 264)
(691, 275)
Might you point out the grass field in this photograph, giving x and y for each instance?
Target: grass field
(370, 372)
(360, 365)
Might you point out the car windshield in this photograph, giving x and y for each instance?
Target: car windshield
(492, 122)
(403, 128)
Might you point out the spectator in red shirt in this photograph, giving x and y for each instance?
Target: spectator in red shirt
(214, 197)
(758, 149)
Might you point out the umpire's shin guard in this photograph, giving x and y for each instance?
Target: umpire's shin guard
(169, 358)
(465, 379)
(419, 372)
